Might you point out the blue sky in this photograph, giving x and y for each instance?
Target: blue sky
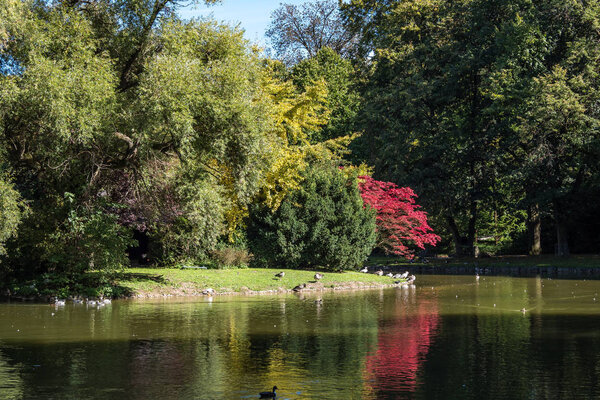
(253, 16)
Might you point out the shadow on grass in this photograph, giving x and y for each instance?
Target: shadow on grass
(140, 277)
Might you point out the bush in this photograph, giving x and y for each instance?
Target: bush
(189, 231)
(88, 239)
(324, 224)
(231, 257)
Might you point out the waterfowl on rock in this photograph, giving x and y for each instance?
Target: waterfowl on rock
(268, 395)
(59, 302)
(411, 279)
(404, 275)
(280, 275)
(318, 276)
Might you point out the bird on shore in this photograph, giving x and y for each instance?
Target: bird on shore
(299, 287)
(59, 302)
(380, 273)
(268, 395)
(280, 275)
(404, 275)
(318, 276)
(389, 275)
(411, 279)
(364, 270)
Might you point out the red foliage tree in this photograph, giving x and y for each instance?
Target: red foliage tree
(400, 222)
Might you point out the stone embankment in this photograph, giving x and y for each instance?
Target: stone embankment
(496, 270)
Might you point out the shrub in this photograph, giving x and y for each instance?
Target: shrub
(88, 239)
(188, 231)
(231, 257)
(324, 224)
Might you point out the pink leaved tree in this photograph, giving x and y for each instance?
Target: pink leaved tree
(401, 225)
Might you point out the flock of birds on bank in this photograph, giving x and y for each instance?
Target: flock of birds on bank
(410, 279)
(90, 302)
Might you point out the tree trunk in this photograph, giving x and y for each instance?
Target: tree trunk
(562, 240)
(562, 243)
(535, 230)
(472, 232)
(455, 235)
(463, 246)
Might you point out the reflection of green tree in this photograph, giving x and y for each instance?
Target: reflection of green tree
(11, 386)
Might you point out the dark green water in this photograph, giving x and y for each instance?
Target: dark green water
(448, 338)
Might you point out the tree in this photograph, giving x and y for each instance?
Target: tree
(400, 223)
(324, 224)
(99, 100)
(11, 212)
(466, 104)
(343, 99)
(427, 116)
(297, 33)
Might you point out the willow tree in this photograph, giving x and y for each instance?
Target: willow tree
(103, 102)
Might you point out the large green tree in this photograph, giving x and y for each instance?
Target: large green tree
(101, 102)
(470, 102)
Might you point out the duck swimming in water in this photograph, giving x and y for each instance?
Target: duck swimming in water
(269, 395)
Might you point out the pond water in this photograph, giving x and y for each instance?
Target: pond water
(449, 337)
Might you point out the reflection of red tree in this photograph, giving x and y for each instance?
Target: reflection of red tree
(403, 341)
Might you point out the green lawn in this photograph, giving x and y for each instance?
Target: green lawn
(178, 281)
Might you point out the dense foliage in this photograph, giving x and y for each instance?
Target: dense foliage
(325, 224)
(488, 109)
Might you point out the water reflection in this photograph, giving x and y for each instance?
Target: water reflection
(449, 338)
(405, 334)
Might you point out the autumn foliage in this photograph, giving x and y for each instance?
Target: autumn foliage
(401, 225)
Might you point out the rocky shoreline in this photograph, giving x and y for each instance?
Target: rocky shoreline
(188, 291)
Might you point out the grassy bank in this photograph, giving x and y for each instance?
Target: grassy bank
(585, 260)
(156, 282)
